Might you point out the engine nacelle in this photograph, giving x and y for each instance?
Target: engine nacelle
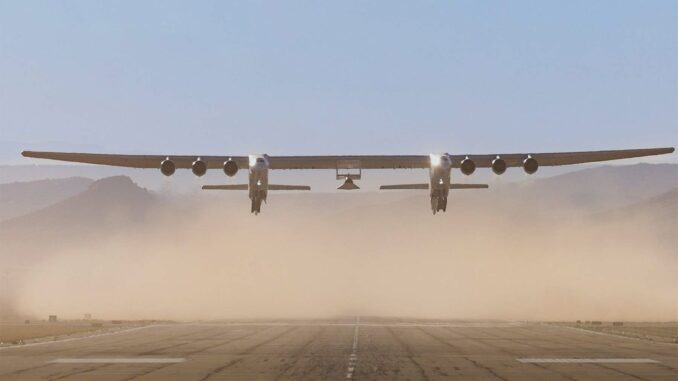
(199, 167)
(498, 166)
(230, 168)
(167, 167)
(530, 165)
(467, 166)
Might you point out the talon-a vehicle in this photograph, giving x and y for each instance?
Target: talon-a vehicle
(349, 168)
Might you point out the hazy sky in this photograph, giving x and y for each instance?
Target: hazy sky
(337, 77)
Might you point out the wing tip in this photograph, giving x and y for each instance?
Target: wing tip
(664, 150)
(35, 154)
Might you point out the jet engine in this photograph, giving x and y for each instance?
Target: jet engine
(467, 166)
(230, 168)
(167, 167)
(199, 167)
(530, 165)
(498, 166)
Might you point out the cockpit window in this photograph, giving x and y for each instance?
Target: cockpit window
(260, 160)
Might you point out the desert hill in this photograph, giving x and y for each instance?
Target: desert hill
(21, 198)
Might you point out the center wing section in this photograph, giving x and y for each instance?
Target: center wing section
(356, 161)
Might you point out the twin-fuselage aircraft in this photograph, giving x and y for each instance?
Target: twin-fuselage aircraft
(348, 168)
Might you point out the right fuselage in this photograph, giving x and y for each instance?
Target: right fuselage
(258, 181)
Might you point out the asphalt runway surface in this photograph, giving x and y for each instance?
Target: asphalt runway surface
(344, 351)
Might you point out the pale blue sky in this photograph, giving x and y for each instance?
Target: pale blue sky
(312, 77)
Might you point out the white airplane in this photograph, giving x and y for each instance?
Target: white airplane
(348, 168)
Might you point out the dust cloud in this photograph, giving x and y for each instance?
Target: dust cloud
(318, 257)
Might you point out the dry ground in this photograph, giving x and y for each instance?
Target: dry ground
(665, 332)
(13, 333)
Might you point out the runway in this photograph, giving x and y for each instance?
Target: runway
(344, 350)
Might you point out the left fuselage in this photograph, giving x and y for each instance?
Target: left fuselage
(440, 172)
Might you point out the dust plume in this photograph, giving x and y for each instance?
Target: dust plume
(321, 257)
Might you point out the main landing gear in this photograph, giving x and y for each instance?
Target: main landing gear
(438, 204)
(256, 205)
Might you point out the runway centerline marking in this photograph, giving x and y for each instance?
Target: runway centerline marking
(586, 361)
(118, 360)
(353, 358)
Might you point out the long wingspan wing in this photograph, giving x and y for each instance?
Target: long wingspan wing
(423, 161)
(137, 161)
(276, 162)
(356, 161)
(561, 158)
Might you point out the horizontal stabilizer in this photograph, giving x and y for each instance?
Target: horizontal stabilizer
(288, 187)
(404, 186)
(469, 186)
(246, 187)
(425, 186)
(226, 187)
